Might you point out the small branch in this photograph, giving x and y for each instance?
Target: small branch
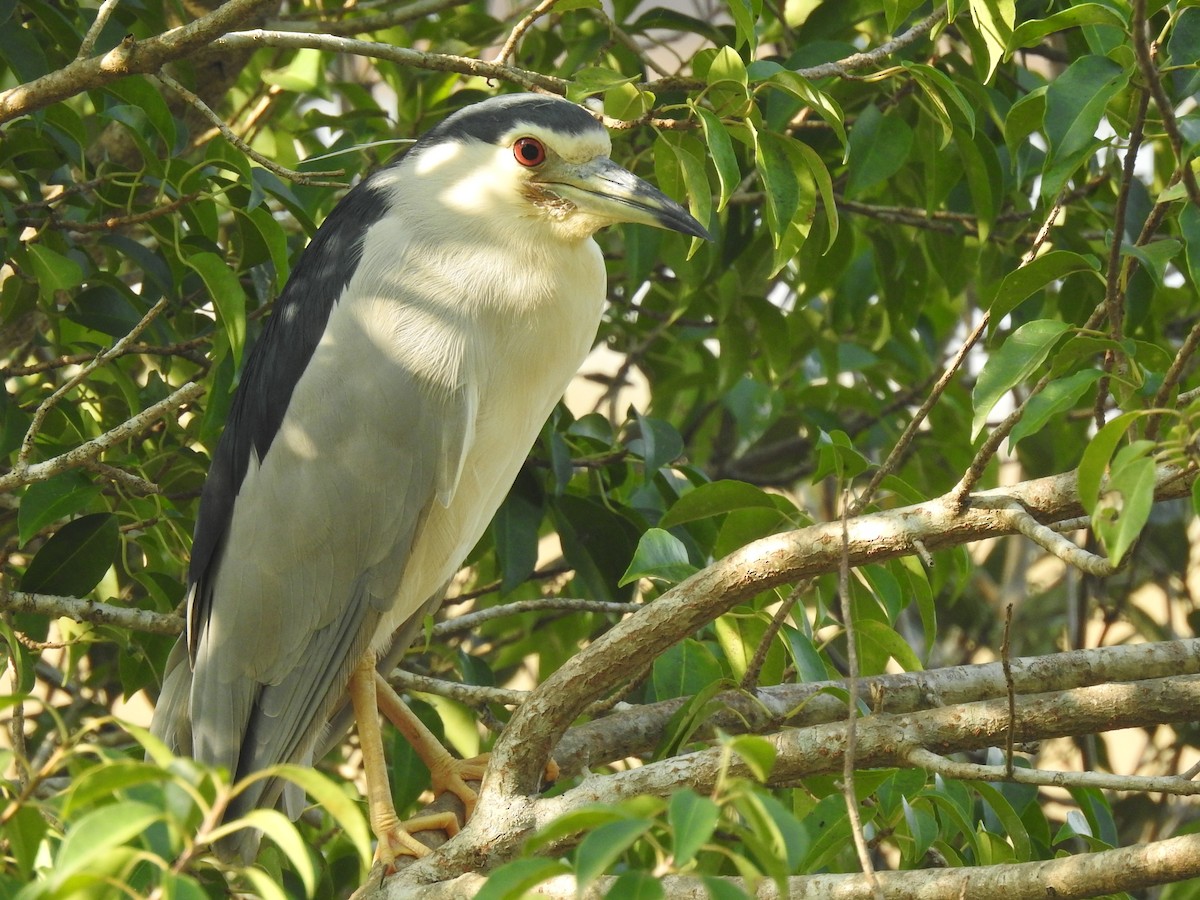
(365, 24)
(472, 695)
(1102, 872)
(130, 57)
(39, 415)
(23, 474)
(1104, 781)
(95, 612)
(1048, 539)
(754, 669)
(472, 620)
(89, 40)
(436, 62)
(1144, 53)
(873, 57)
(850, 756)
(521, 27)
(308, 178)
(637, 730)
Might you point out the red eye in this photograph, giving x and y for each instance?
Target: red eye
(529, 152)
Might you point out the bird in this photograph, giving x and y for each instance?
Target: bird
(419, 345)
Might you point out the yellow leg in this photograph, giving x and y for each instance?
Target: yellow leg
(446, 772)
(394, 838)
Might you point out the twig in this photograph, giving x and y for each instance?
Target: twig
(1047, 538)
(521, 27)
(1165, 784)
(1006, 666)
(472, 620)
(130, 57)
(1114, 292)
(22, 474)
(473, 695)
(849, 758)
(1144, 53)
(308, 178)
(436, 62)
(754, 669)
(95, 612)
(89, 40)
(872, 57)
(364, 24)
(39, 415)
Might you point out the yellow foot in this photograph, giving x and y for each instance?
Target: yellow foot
(452, 775)
(398, 840)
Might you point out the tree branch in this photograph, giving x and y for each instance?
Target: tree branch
(130, 57)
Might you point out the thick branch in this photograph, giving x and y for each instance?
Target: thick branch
(1066, 878)
(635, 731)
(523, 749)
(95, 612)
(882, 741)
(130, 57)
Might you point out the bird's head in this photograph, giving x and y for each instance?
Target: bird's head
(540, 159)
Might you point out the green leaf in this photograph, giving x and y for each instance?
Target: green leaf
(514, 880)
(1020, 284)
(24, 833)
(635, 884)
(301, 75)
(779, 181)
(756, 752)
(1075, 103)
(330, 797)
(683, 670)
(595, 80)
(1155, 256)
(1189, 226)
(695, 179)
(627, 102)
(53, 271)
(603, 847)
(994, 19)
(887, 643)
(713, 499)
(659, 444)
(659, 555)
(745, 14)
(103, 782)
(586, 818)
(60, 497)
(1014, 828)
(1016, 359)
(692, 819)
(879, 147)
(802, 89)
(1034, 31)
(75, 558)
(515, 532)
(720, 150)
(1094, 463)
(1124, 508)
(276, 826)
(1183, 46)
(820, 174)
(98, 833)
(1058, 397)
(227, 296)
(1024, 117)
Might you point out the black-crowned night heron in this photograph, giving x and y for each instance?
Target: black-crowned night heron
(420, 344)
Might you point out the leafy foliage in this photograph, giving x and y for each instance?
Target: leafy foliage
(1024, 170)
